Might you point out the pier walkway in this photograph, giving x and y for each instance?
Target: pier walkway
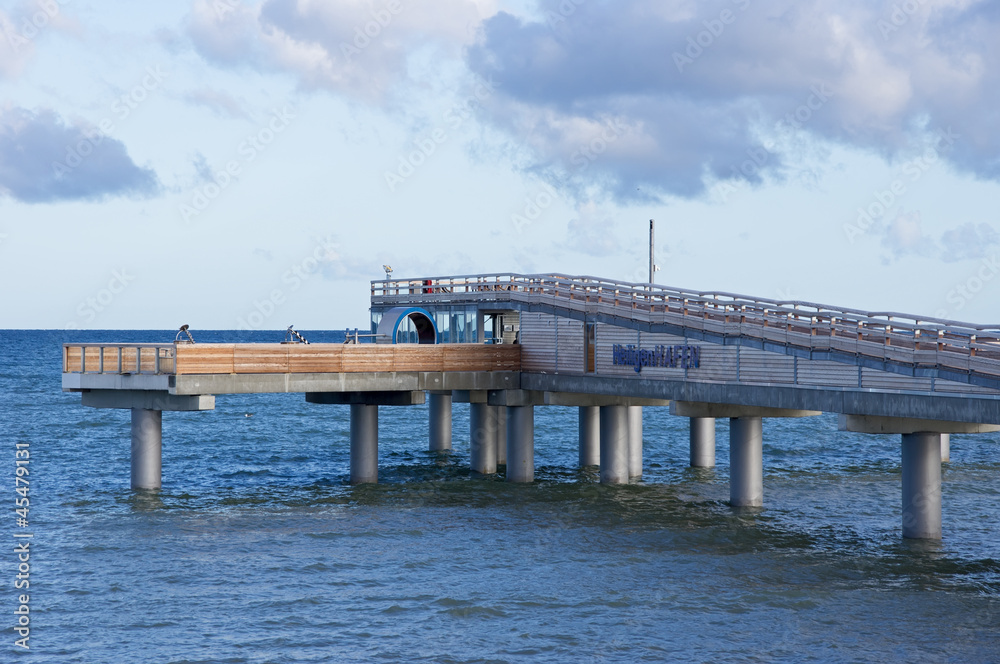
(506, 343)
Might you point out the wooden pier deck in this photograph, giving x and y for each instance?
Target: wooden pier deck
(214, 358)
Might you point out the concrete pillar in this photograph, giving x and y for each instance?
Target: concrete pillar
(147, 448)
(439, 407)
(635, 441)
(945, 448)
(590, 436)
(922, 485)
(520, 443)
(702, 442)
(746, 462)
(483, 438)
(501, 415)
(614, 445)
(364, 444)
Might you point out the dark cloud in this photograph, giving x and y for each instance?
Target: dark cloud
(705, 85)
(42, 160)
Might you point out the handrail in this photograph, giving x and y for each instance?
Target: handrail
(130, 358)
(887, 335)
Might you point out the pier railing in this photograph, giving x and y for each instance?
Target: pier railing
(211, 358)
(118, 358)
(888, 336)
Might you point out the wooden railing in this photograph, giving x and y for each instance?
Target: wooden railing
(208, 358)
(118, 358)
(902, 338)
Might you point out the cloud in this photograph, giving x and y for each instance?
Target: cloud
(43, 160)
(705, 86)
(645, 99)
(969, 241)
(21, 25)
(355, 47)
(15, 48)
(904, 236)
(218, 102)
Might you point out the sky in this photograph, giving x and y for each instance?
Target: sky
(253, 164)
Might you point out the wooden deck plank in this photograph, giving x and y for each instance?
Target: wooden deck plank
(205, 358)
(315, 358)
(260, 358)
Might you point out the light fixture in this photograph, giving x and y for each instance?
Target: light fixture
(184, 330)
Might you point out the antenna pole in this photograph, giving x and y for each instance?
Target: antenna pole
(652, 264)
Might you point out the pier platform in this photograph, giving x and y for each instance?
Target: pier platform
(508, 343)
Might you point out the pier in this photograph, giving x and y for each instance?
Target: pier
(507, 344)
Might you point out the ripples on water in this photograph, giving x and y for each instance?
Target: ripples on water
(257, 550)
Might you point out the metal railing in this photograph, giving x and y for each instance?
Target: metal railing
(150, 359)
(890, 336)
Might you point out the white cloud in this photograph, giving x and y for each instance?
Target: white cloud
(355, 47)
(904, 236)
(969, 241)
(709, 81)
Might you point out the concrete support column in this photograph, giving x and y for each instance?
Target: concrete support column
(590, 436)
(635, 441)
(147, 448)
(439, 408)
(746, 462)
(501, 416)
(702, 442)
(945, 448)
(520, 443)
(614, 445)
(922, 485)
(364, 444)
(483, 437)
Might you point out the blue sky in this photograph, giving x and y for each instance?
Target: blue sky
(229, 163)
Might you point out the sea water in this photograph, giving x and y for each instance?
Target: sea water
(257, 549)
